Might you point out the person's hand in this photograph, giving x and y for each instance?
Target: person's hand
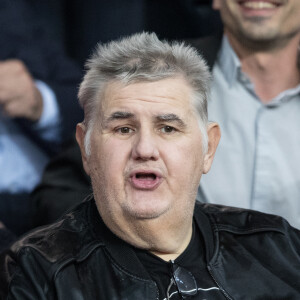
(19, 97)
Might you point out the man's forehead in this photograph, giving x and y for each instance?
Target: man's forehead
(168, 95)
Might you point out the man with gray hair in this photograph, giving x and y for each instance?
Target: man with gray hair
(145, 143)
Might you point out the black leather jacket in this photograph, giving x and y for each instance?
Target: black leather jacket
(249, 255)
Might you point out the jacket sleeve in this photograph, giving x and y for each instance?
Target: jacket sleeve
(63, 77)
(20, 277)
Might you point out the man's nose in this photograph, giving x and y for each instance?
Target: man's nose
(145, 146)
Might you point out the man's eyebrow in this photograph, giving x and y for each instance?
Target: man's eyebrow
(171, 118)
(119, 115)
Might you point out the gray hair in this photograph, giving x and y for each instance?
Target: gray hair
(140, 58)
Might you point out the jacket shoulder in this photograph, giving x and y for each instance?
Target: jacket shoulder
(37, 257)
(241, 220)
(67, 238)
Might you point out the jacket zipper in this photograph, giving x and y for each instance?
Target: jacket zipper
(219, 286)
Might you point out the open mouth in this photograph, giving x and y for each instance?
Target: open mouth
(145, 180)
(149, 176)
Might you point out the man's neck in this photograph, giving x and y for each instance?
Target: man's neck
(179, 247)
(271, 71)
(164, 239)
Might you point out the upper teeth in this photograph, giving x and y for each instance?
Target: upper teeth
(259, 5)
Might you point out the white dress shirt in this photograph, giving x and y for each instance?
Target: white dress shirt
(21, 160)
(257, 163)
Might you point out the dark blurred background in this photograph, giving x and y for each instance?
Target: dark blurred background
(80, 24)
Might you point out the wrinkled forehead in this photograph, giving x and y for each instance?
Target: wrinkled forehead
(166, 94)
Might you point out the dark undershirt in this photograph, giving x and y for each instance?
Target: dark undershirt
(193, 260)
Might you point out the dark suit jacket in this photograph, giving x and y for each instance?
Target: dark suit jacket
(81, 24)
(64, 184)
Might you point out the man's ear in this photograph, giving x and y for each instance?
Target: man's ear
(80, 134)
(216, 4)
(214, 135)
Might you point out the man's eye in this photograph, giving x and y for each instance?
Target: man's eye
(124, 130)
(168, 129)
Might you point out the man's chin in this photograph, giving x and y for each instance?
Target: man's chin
(147, 204)
(260, 31)
(150, 215)
(147, 212)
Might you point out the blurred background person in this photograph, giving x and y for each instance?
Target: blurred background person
(256, 100)
(38, 108)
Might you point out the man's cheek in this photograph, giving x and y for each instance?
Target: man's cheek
(113, 165)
